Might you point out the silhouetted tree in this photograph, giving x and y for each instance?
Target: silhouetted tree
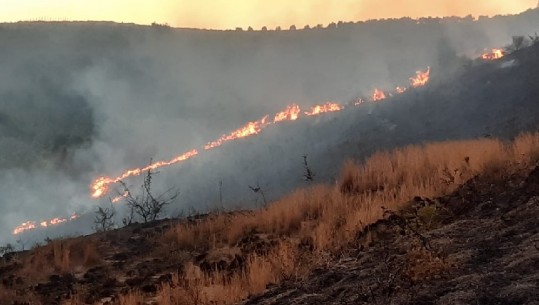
(292, 28)
(146, 205)
(258, 190)
(104, 219)
(309, 174)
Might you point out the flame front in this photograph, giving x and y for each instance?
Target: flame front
(249, 129)
(493, 54)
(118, 198)
(25, 226)
(291, 113)
(327, 107)
(31, 225)
(100, 186)
(421, 78)
(378, 95)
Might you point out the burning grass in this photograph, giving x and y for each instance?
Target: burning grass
(289, 237)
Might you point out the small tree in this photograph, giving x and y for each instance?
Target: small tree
(258, 190)
(104, 219)
(309, 174)
(146, 205)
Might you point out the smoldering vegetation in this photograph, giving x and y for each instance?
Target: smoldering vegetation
(79, 100)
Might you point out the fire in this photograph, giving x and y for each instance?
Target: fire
(378, 95)
(249, 129)
(327, 107)
(291, 113)
(400, 89)
(493, 54)
(421, 78)
(100, 185)
(31, 225)
(25, 226)
(56, 221)
(118, 198)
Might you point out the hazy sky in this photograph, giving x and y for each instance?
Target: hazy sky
(228, 14)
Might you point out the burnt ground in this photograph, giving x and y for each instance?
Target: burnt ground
(479, 245)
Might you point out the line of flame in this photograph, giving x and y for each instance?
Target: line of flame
(100, 186)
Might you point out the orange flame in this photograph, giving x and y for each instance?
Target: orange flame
(118, 198)
(378, 95)
(31, 225)
(400, 89)
(421, 78)
(493, 54)
(291, 113)
(327, 107)
(249, 129)
(25, 226)
(100, 185)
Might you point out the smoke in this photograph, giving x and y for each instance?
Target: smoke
(87, 99)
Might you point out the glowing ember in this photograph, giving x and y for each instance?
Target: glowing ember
(421, 78)
(358, 102)
(378, 95)
(101, 185)
(327, 107)
(291, 113)
(493, 54)
(400, 89)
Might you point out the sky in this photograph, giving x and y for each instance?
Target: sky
(229, 14)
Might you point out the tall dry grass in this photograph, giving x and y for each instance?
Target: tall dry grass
(61, 256)
(309, 224)
(329, 216)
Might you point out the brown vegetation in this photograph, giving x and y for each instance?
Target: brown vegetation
(223, 258)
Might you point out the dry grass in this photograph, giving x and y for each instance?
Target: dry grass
(322, 219)
(61, 256)
(329, 217)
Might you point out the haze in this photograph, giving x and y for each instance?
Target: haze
(227, 14)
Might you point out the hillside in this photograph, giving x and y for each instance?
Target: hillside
(426, 197)
(81, 100)
(400, 227)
